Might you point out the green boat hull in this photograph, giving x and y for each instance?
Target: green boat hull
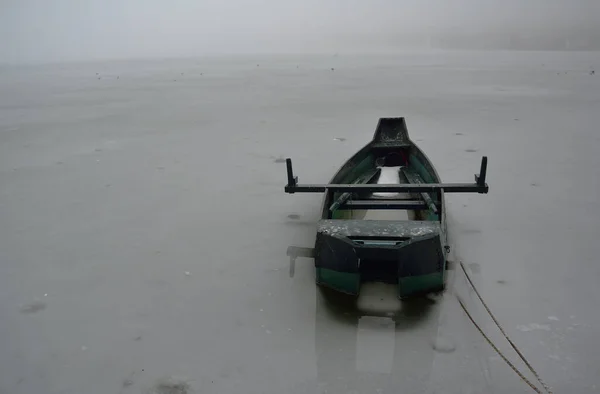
(349, 283)
(376, 229)
(383, 217)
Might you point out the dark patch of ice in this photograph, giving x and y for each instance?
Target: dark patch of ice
(34, 307)
(170, 385)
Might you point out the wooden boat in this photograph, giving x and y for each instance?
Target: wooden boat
(383, 217)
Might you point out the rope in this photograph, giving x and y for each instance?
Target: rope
(537, 376)
(496, 349)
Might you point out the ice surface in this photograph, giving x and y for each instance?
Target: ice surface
(388, 175)
(112, 189)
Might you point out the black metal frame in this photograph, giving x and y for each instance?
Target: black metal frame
(480, 186)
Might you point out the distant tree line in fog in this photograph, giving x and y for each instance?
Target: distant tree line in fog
(558, 39)
(543, 40)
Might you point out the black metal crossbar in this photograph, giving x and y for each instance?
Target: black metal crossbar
(429, 187)
(480, 186)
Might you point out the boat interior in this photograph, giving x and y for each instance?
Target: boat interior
(385, 165)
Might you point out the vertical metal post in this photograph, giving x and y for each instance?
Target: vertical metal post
(480, 179)
(292, 181)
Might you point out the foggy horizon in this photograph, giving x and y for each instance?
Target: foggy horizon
(68, 30)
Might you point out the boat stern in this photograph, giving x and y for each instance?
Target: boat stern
(409, 254)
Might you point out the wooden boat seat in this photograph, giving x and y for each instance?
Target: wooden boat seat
(414, 177)
(377, 228)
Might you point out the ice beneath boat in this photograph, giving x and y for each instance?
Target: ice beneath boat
(388, 175)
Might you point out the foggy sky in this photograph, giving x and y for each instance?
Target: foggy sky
(63, 30)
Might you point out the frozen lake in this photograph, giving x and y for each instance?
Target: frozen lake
(144, 225)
